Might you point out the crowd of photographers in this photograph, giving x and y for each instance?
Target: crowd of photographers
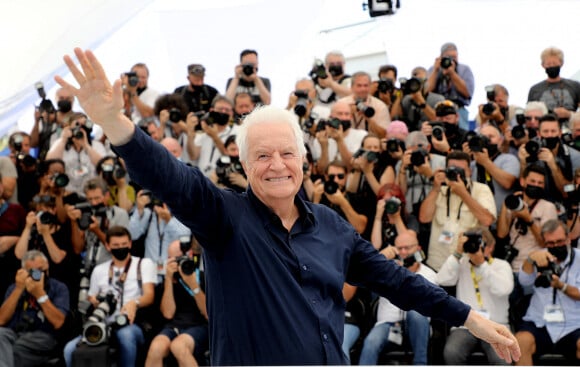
(93, 263)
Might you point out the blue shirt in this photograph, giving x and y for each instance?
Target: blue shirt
(449, 91)
(275, 297)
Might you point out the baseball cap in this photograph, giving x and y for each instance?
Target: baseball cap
(196, 69)
(445, 108)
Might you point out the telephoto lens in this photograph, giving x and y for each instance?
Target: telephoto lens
(514, 202)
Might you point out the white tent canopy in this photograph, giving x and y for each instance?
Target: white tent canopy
(500, 40)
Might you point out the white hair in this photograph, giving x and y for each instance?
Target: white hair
(537, 105)
(266, 114)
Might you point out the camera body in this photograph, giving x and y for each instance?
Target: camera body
(226, 165)
(452, 172)
(474, 241)
(96, 330)
(478, 142)
(518, 132)
(545, 278)
(393, 145)
(438, 130)
(368, 111)
(514, 202)
(419, 157)
(330, 187)
(60, 179)
(385, 85)
(188, 265)
(88, 211)
(132, 78)
(410, 86)
(333, 123)
(46, 218)
(113, 172)
(488, 108)
(301, 105)
(318, 71)
(446, 62)
(533, 148)
(248, 69)
(392, 205)
(46, 104)
(35, 274)
(154, 201)
(175, 115)
(370, 156)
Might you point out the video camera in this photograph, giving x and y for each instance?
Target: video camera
(88, 211)
(96, 330)
(545, 278)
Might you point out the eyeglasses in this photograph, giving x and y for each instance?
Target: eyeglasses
(556, 243)
(44, 199)
(530, 118)
(340, 176)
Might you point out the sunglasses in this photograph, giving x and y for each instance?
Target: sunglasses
(530, 118)
(340, 176)
(44, 199)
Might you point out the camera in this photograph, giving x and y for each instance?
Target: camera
(26, 159)
(112, 172)
(318, 71)
(88, 211)
(35, 274)
(477, 143)
(419, 157)
(370, 156)
(154, 201)
(46, 104)
(533, 148)
(518, 132)
(60, 179)
(330, 187)
(333, 123)
(446, 62)
(132, 78)
(545, 278)
(226, 165)
(490, 93)
(301, 105)
(77, 133)
(385, 85)
(368, 111)
(175, 115)
(474, 241)
(437, 130)
(187, 264)
(510, 253)
(393, 145)
(488, 108)
(46, 217)
(392, 205)
(514, 202)
(96, 330)
(572, 195)
(452, 172)
(248, 69)
(410, 86)
(417, 257)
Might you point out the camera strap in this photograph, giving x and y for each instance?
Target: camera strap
(460, 204)
(122, 278)
(568, 266)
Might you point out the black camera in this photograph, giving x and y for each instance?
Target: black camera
(301, 105)
(333, 123)
(370, 156)
(488, 108)
(446, 62)
(112, 172)
(153, 200)
(330, 187)
(392, 205)
(187, 264)
(474, 241)
(514, 202)
(437, 130)
(132, 78)
(60, 179)
(88, 211)
(26, 159)
(368, 111)
(318, 71)
(478, 142)
(77, 133)
(490, 93)
(419, 157)
(248, 69)
(96, 330)
(46, 218)
(410, 86)
(46, 104)
(533, 148)
(410, 260)
(175, 115)
(226, 165)
(572, 195)
(393, 145)
(35, 274)
(545, 278)
(452, 172)
(518, 132)
(385, 85)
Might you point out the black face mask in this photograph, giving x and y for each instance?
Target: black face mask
(64, 106)
(492, 150)
(335, 70)
(560, 252)
(450, 129)
(552, 142)
(120, 253)
(553, 72)
(534, 192)
(219, 118)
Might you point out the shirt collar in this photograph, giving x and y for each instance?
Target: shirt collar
(305, 214)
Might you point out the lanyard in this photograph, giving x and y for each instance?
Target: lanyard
(161, 234)
(122, 278)
(476, 286)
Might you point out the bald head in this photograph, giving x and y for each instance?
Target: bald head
(172, 145)
(174, 249)
(341, 110)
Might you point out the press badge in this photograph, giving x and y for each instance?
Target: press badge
(553, 313)
(446, 237)
(160, 268)
(396, 334)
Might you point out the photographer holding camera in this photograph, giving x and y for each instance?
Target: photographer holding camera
(386, 90)
(369, 113)
(78, 150)
(229, 171)
(526, 128)
(90, 221)
(131, 282)
(112, 169)
(497, 110)
(174, 122)
(246, 80)
(452, 80)
(141, 98)
(490, 166)
(52, 180)
(197, 95)
(333, 83)
(34, 309)
(183, 303)
(455, 204)
(26, 166)
(552, 321)
(302, 102)
(444, 134)
(484, 283)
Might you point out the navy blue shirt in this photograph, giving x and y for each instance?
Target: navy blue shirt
(275, 297)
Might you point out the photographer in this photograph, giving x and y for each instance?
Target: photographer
(552, 322)
(418, 104)
(153, 221)
(385, 89)
(174, 122)
(336, 84)
(369, 113)
(90, 221)
(452, 80)
(79, 152)
(33, 311)
(331, 192)
(484, 283)
(497, 110)
(559, 160)
(47, 128)
(490, 166)
(527, 129)
(444, 134)
(26, 166)
(131, 282)
(455, 204)
(141, 98)
(243, 105)
(112, 170)
(246, 80)
(301, 102)
(337, 141)
(229, 171)
(197, 95)
(183, 303)
(52, 180)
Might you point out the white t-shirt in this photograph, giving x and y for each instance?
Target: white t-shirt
(352, 141)
(148, 97)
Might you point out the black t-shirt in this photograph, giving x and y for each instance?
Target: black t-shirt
(565, 93)
(186, 312)
(198, 100)
(245, 86)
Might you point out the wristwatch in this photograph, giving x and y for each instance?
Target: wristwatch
(42, 299)
(196, 291)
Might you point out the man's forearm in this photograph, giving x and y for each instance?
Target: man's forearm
(482, 214)
(264, 92)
